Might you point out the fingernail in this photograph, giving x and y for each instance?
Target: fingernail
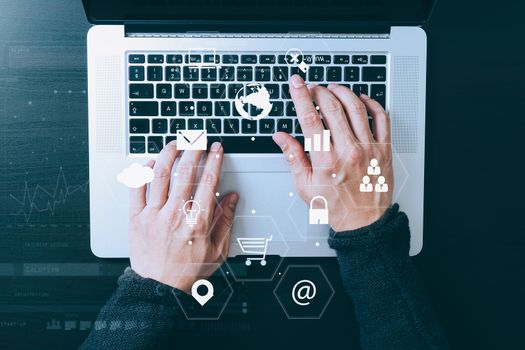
(331, 86)
(296, 81)
(215, 146)
(365, 96)
(233, 201)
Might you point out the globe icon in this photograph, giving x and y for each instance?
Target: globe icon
(256, 95)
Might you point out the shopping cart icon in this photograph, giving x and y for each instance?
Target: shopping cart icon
(256, 246)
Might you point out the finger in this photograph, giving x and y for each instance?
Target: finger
(137, 196)
(306, 113)
(355, 111)
(209, 181)
(334, 115)
(224, 215)
(380, 117)
(299, 163)
(159, 187)
(184, 179)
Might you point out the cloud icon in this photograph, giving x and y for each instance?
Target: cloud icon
(135, 175)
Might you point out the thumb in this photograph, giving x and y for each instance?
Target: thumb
(222, 230)
(299, 163)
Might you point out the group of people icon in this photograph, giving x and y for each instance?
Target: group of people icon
(380, 186)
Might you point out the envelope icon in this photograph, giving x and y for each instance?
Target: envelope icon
(191, 140)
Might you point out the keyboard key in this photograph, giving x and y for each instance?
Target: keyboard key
(244, 144)
(378, 59)
(213, 126)
(244, 73)
(316, 73)
(155, 73)
(267, 126)
(234, 110)
(159, 126)
(174, 58)
(277, 109)
(359, 59)
(308, 59)
(341, 59)
(333, 74)
(281, 59)
(146, 109)
(378, 93)
(193, 58)
(169, 139)
(155, 144)
(222, 109)
(168, 108)
(172, 73)
(267, 59)
(290, 109)
(262, 73)
(351, 73)
(217, 90)
(231, 126)
(199, 91)
(273, 90)
(190, 74)
(182, 91)
(204, 108)
(227, 73)
(374, 73)
(298, 129)
(359, 89)
(137, 144)
(248, 126)
(136, 73)
(177, 124)
(233, 89)
(212, 59)
(285, 125)
(296, 70)
(139, 126)
(140, 90)
(248, 59)
(136, 59)
(209, 74)
(285, 91)
(322, 59)
(155, 58)
(195, 124)
(280, 73)
(186, 108)
(229, 59)
(163, 90)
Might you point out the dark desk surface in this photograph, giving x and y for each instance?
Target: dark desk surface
(473, 256)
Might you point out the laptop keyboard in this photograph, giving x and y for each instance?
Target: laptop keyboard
(186, 91)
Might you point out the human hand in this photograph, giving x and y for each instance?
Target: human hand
(337, 174)
(162, 245)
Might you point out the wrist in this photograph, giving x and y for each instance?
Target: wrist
(357, 218)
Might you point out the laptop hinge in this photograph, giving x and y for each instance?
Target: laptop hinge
(251, 29)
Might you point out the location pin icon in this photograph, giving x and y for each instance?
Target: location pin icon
(202, 299)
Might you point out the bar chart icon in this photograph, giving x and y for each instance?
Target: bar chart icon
(320, 142)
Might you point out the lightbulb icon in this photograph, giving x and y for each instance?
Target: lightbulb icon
(191, 210)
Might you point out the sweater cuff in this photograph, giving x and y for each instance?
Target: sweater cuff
(385, 229)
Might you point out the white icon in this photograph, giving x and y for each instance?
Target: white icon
(373, 169)
(257, 246)
(318, 216)
(255, 95)
(366, 186)
(320, 142)
(135, 175)
(192, 139)
(70, 325)
(202, 299)
(191, 210)
(381, 186)
(53, 325)
(294, 57)
(203, 53)
(303, 291)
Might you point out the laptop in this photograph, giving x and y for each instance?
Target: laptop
(157, 68)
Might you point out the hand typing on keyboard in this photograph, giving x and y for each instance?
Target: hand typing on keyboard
(337, 174)
(163, 245)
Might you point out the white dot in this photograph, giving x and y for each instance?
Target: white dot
(253, 211)
(317, 244)
(333, 175)
(216, 156)
(217, 194)
(290, 194)
(291, 156)
(317, 107)
(190, 242)
(227, 272)
(253, 138)
(174, 174)
(55, 92)
(69, 91)
(29, 102)
(83, 91)
(192, 108)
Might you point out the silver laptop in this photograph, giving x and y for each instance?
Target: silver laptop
(156, 68)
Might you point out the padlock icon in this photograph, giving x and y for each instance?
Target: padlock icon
(318, 216)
